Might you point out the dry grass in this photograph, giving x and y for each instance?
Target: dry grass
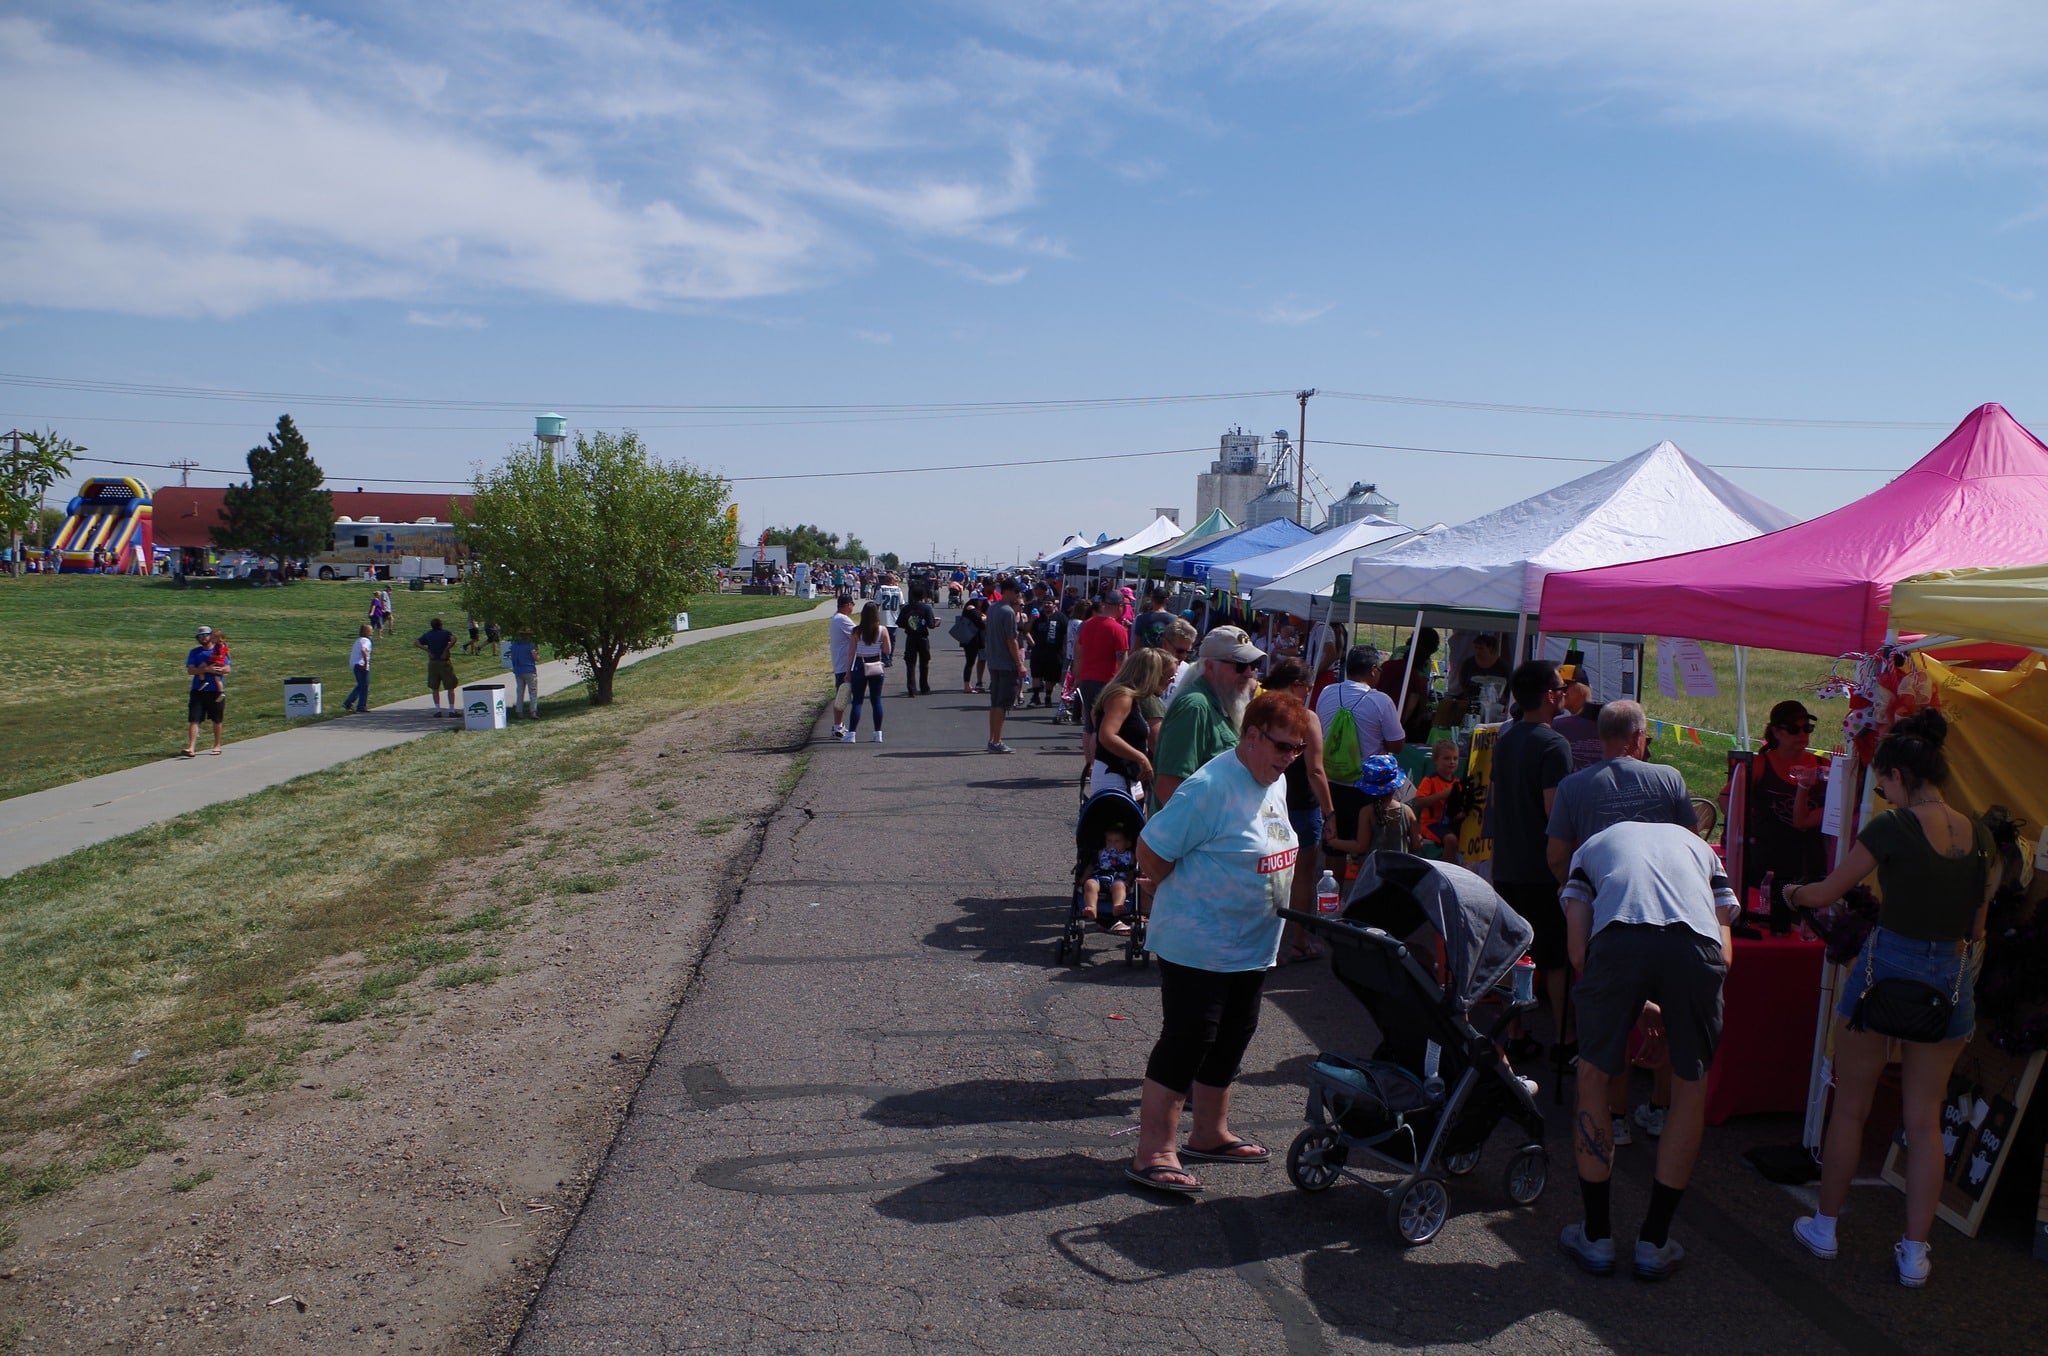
(192, 939)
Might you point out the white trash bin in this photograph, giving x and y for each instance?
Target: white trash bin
(301, 697)
(483, 706)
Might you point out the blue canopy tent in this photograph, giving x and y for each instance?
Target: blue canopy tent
(1211, 555)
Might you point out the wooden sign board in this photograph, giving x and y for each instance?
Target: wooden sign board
(1987, 1093)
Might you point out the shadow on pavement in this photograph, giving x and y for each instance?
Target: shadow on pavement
(985, 1101)
(1002, 1184)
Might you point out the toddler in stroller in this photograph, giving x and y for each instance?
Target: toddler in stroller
(1105, 877)
(1420, 945)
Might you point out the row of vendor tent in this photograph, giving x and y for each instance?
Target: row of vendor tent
(1826, 586)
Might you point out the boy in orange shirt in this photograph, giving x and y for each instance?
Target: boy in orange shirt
(1432, 795)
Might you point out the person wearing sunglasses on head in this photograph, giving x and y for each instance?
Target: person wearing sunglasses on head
(1781, 833)
(1205, 716)
(1215, 866)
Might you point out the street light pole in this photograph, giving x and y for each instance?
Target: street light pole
(1301, 452)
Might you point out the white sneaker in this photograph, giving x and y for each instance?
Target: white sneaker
(1916, 1263)
(878, 736)
(848, 737)
(1649, 1119)
(1528, 1084)
(839, 732)
(1816, 1237)
(1621, 1133)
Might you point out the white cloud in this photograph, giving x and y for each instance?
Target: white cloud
(1294, 313)
(445, 320)
(874, 336)
(235, 156)
(1884, 77)
(1008, 277)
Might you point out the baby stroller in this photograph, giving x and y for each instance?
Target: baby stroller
(1425, 1106)
(1104, 811)
(1067, 710)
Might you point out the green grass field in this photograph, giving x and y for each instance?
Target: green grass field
(117, 947)
(1774, 675)
(92, 678)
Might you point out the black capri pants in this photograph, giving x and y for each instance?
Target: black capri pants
(1207, 1018)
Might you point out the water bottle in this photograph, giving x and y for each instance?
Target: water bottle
(1432, 1081)
(1525, 981)
(1328, 902)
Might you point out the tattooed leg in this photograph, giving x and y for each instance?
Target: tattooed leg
(1592, 1143)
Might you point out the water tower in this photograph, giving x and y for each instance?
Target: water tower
(547, 431)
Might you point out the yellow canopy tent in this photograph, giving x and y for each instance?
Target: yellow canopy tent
(2007, 605)
(1998, 732)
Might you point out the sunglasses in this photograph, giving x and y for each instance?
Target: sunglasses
(1245, 666)
(1796, 728)
(1291, 750)
(1560, 687)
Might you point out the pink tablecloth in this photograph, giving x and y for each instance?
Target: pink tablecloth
(1768, 1010)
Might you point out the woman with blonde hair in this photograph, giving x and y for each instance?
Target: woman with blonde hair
(1123, 737)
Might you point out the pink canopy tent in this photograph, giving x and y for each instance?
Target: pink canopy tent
(1824, 587)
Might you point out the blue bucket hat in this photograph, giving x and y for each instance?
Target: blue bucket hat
(1380, 776)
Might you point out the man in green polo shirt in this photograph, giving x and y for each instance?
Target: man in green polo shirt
(1203, 720)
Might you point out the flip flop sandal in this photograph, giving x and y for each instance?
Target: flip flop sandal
(1119, 929)
(1155, 1176)
(1222, 1153)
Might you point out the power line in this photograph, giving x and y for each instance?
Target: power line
(1601, 461)
(127, 388)
(1576, 413)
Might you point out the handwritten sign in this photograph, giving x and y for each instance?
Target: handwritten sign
(1683, 669)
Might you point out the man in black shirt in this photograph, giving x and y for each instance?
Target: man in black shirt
(1529, 760)
(917, 620)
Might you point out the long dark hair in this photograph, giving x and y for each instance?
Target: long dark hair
(870, 623)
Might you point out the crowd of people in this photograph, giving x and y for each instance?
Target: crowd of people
(1258, 767)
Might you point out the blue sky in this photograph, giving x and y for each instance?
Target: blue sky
(446, 218)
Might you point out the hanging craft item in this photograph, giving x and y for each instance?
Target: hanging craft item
(1890, 685)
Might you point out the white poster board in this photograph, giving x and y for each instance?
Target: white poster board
(1683, 669)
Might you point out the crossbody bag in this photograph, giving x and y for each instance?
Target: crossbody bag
(1905, 1009)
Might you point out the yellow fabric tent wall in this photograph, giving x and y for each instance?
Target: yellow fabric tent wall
(2009, 605)
(1998, 738)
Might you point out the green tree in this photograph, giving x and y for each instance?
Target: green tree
(30, 463)
(890, 561)
(854, 551)
(281, 510)
(806, 541)
(594, 553)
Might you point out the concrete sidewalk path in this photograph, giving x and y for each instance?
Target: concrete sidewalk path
(884, 1120)
(45, 825)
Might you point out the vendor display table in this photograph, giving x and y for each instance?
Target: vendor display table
(1767, 1013)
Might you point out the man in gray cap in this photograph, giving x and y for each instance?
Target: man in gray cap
(1204, 719)
(207, 702)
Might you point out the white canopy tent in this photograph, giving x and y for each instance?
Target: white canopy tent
(1340, 543)
(1659, 502)
(1162, 530)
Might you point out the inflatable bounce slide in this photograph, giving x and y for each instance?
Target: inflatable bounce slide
(110, 514)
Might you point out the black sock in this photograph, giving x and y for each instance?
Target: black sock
(1663, 1205)
(1596, 1195)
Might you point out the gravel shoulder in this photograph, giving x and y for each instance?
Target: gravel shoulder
(409, 1190)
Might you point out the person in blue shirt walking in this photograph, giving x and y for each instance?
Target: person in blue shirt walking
(524, 658)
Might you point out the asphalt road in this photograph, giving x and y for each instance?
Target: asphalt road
(884, 1120)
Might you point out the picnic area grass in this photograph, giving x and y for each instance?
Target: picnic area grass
(194, 939)
(92, 672)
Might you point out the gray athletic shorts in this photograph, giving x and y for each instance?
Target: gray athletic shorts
(1629, 964)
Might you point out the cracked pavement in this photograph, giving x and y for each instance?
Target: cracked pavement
(883, 1120)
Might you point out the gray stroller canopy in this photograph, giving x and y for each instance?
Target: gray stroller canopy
(1483, 937)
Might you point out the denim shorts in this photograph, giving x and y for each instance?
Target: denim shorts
(1308, 825)
(1887, 955)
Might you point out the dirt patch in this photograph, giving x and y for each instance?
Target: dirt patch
(409, 1189)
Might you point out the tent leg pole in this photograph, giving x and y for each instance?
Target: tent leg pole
(1742, 694)
(1521, 638)
(1408, 669)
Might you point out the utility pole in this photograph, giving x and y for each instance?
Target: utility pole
(1301, 452)
(184, 467)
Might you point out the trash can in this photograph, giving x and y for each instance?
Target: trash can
(301, 697)
(416, 585)
(483, 706)
(682, 621)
